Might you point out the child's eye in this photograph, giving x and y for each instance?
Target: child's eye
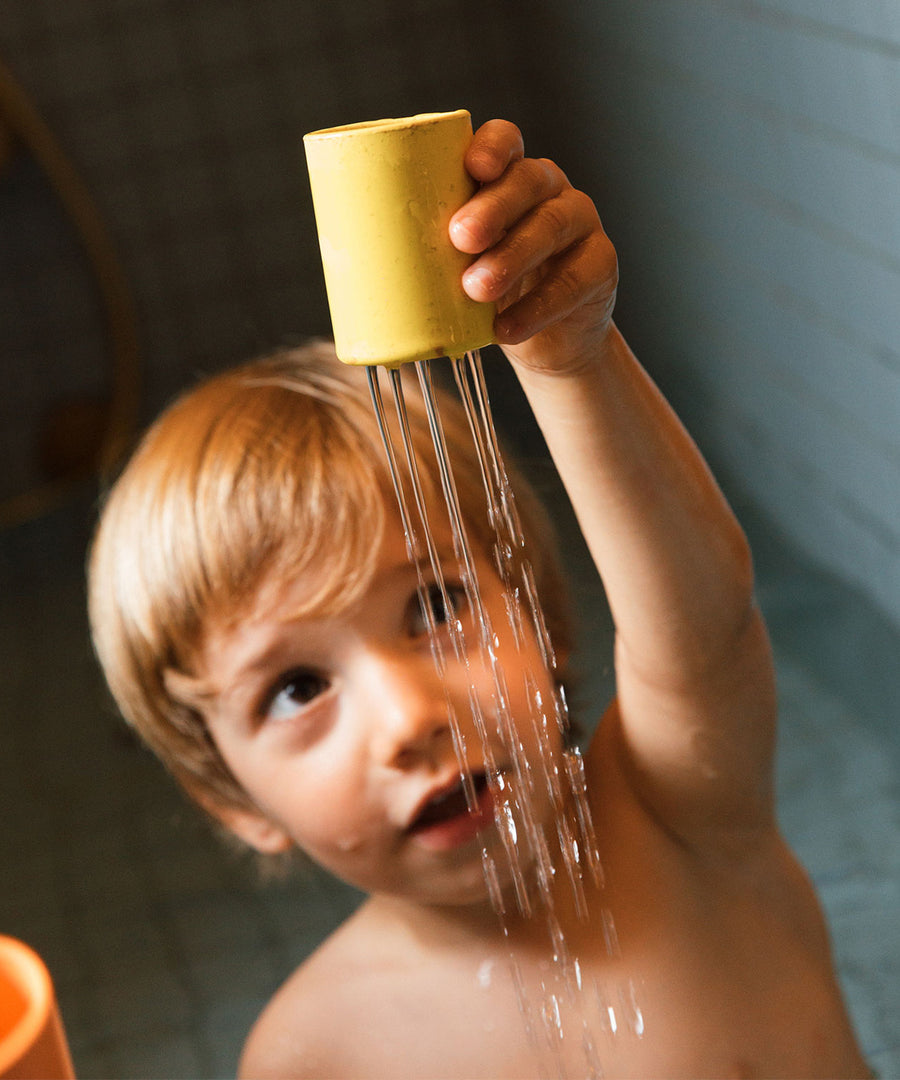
(443, 605)
(293, 692)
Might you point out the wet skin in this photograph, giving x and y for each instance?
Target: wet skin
(338, 728)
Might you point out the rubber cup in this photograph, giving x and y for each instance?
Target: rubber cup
(383, 195)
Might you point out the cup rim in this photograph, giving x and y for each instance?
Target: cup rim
(397, 123)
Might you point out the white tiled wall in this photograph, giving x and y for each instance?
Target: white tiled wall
(746, 156)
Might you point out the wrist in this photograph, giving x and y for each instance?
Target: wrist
(556, 355)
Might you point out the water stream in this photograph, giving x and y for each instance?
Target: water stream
(559, 777)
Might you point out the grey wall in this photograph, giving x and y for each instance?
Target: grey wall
(746, 155)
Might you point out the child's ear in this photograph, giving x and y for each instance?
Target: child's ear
(256, 830)
(251, 826)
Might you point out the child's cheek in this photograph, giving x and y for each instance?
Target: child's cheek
(330, 813)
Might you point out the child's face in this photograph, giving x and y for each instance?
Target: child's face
(338, 730)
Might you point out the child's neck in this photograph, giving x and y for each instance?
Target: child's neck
(442, 925)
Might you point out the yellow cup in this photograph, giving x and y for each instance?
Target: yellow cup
(32, 1041)
(383, 194)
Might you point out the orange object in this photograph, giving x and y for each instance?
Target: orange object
(32, 1041)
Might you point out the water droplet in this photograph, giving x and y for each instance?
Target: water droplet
(483, 976)
(493, 884)
(610, 937)
(509, 822)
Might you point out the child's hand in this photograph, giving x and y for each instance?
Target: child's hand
(545, 259)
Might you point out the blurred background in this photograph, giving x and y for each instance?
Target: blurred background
(155, 224)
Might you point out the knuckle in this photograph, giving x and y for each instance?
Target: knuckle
(496, 211)
(584, 205)
(556, 217)
(540, 175)
(553, 172)
(607, 259)
(568, 284)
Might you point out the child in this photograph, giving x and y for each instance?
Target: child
(260, 624)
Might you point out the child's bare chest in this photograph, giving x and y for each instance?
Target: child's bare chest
(705, 993)
(638, 1024)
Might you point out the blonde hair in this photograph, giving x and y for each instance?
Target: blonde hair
(273, 468)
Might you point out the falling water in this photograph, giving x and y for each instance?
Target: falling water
(562, 780)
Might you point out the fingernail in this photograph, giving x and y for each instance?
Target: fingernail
(478, 280)
(464, 230)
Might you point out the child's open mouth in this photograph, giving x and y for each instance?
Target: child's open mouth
(446, 822)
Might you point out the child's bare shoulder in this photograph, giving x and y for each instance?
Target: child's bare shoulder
(302, 1030)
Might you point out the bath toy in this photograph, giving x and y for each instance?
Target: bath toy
(383, 195)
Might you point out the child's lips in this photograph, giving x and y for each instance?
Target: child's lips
(444, 821)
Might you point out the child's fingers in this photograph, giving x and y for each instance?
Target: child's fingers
(553, 226)
(498, 206)
(494, 146)
(543, 256)
(584, 276)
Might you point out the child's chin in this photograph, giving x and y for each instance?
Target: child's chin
(471, 888)
(468, 889)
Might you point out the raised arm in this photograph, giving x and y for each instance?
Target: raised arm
(694, 675)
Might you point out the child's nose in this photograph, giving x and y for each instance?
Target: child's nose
(410, 703)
